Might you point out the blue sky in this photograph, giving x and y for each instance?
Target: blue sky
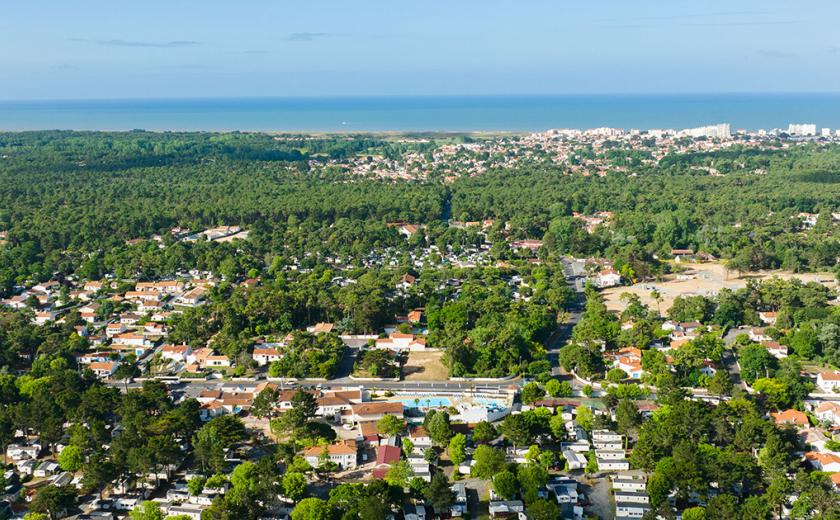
(225, 48)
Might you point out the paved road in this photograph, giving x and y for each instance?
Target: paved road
(195, 387)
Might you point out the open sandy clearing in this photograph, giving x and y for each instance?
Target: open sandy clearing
(703, 280)
(425, 366)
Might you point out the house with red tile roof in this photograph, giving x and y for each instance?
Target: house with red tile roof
(794, 417)
(375, 411)
(828, 381)
(339, 453)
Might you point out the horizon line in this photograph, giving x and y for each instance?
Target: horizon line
(421, 96)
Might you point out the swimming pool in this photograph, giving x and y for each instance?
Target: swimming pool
(425, 402)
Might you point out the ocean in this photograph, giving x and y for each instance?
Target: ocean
(428, 113)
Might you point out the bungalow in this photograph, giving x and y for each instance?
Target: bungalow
(399, 342)
(263, 356)
(93, 357)
(208, 396)
(794, 417)
(194, 296)
(191, 511)
(339, 453)
(758, 335)
(630, 482)
(44, 317)
(154, 329)
(607, 278)
(630, 361)
(370, 434)
(131, 339)
(406, 282)
(177, 353)
(828, 411)
(633, 497)
(92, 286)
(27, 466)
(708, 368)
(387, 455)
(683, 255)
(828, 381)
(506, 508)
(46, 468)
(375, 411)
(823, 461)
(103, 369)
(775, 349)
(331, 406)
(115, 329)
(130, 318)
(147, 306)
(613, 464)
(141, 296)
(217, 361)
(320, 328)
(606, 436)
(767, 317)
(574, 459)
(199, 356)
(459, 506)
(414, 512)
(630, 510)
(533, 245)
(420, 437)
(23, 451)
(235, 402)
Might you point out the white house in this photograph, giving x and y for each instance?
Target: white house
(630, 510)
(217, 361)
(758, 335)
(607, 278)
(23, 452)
(132, 339)
(633, 497)
(264, 356)
(340, 453)
(767, 317)
(629, 482)
(823, 461)
(613, 464)
(828, 381)
(506, 509)
(828, 411)
(103, 369)
(46, 468)
(574, 459)
(177, 353)
(775, 349)
(606, 436)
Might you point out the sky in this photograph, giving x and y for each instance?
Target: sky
(93, 49)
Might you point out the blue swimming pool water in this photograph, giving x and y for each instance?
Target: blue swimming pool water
(433, 402)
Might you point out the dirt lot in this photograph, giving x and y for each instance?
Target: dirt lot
(425, 366)
(705, 280)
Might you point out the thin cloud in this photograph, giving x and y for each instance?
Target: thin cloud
(136, 43)
(307, 36)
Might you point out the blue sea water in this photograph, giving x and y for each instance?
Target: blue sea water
(428, 113)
